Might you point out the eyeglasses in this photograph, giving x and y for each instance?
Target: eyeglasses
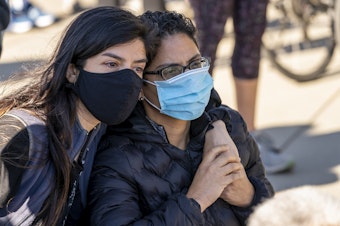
(176, 69)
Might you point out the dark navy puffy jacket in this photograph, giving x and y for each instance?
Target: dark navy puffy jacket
(139, 178)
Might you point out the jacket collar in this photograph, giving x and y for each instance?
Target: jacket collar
(140, 127)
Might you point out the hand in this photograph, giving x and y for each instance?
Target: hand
(218, 136)
(240, 191)
(213, 176)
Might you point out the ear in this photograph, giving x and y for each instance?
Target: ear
(72, 73)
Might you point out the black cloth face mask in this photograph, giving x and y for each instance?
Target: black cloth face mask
(110, 97)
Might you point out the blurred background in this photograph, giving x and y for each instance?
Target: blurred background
(302, 117)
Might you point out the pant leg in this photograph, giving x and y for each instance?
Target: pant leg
(210, 19)
(249, 25)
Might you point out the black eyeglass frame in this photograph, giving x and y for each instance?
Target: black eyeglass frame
(160, 71)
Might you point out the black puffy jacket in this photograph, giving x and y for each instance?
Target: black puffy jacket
(139, 178)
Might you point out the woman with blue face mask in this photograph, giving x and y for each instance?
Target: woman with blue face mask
(156, 168)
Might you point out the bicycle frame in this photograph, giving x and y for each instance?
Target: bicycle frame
(300, 32)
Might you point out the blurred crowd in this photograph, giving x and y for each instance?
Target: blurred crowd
(27, 14)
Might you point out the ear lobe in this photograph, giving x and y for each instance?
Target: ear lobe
(141, 95)
(72, 73)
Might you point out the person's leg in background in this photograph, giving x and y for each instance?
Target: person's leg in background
(211, 31)
(210, 18)
(249, 24)
(246, 92)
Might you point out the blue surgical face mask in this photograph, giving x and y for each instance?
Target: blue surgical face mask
(184, 96)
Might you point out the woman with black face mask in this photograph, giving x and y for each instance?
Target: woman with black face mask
(50, 127)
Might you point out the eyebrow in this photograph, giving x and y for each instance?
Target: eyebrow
(159, 67)
(194, 57)
(143, 60)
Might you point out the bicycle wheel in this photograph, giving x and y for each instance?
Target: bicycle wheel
(299, 45)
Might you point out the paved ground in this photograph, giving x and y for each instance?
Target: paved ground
(303, 118)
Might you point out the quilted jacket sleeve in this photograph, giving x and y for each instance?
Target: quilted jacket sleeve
(114, 199)
(250, 157)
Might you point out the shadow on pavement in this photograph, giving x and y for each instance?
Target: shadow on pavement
(314, 164)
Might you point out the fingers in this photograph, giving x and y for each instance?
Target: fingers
(214, 152)
(239, 191)
(233, 172)
(219, 168)
(232, 168)
(221, 155)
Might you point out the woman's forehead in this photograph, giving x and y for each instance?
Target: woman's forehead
(177, 47)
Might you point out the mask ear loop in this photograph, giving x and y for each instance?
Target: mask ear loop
(151, 104)
(147, 100)
(147, 81)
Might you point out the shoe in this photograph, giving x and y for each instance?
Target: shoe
(40, 18)
(19, 23)
(273, 159)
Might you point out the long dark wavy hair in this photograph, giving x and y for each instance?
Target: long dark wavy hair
(47, 96)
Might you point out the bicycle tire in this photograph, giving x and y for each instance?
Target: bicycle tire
(299, 57)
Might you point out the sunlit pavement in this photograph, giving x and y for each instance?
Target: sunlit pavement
(302, 118)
